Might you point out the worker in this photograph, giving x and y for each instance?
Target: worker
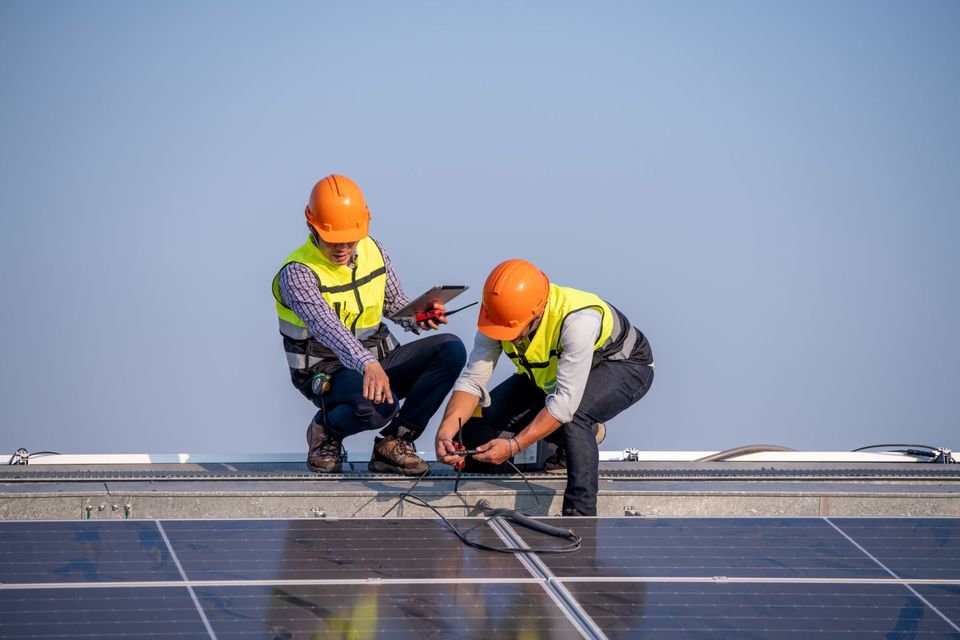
(579, 363)
(331, 296)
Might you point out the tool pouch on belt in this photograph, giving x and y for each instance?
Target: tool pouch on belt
(322, 359)
(379, 344)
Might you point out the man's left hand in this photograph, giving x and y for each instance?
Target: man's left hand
(497, 451)
(434, 323)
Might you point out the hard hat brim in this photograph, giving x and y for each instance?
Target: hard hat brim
(496, 331)
(345, 235)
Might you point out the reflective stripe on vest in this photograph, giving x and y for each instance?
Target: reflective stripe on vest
(539, 360)
(355, 294)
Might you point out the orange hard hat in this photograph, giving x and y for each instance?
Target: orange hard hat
(337, 210)
(514, 294)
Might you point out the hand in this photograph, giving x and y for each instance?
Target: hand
(434, 323)
(497, 451)
(445, 445)
(376, 384)
(445, 452)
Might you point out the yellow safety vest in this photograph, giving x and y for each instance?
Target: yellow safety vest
(538, 361)
(355, 294)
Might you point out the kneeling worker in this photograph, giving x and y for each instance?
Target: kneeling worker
(331, 295)
(579, 362)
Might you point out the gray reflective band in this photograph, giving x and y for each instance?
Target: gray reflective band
(293, 331)
(363, 334)
(628, 344)
(617, 325)
(296, 360)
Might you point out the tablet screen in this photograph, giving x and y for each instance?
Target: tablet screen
(442, 293)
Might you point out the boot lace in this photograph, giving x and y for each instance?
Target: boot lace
(403, 448)
(330, 448)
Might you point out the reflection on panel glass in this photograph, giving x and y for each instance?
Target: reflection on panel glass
(707, 547)
(913, 548)
(104, 551)
(361, 611)
(334, 550)
(772, 610)
(945, 597)
(127, 612)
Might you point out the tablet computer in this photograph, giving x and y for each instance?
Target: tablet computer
(442, 293)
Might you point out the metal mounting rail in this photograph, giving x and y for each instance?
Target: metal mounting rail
(358, 472)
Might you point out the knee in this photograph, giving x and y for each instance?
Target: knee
(452, 350)
(376, 416)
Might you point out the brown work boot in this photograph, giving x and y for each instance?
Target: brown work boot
(557, 463)
(396, 455)
(324, 452)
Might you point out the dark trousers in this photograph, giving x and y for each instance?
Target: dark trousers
(612, 387)
(421, 373)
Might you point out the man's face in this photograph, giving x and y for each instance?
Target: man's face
(339, 254)
(522, 341)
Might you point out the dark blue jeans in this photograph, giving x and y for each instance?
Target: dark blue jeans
(612, 387)
(421, 373)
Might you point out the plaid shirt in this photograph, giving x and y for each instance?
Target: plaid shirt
(300, 292)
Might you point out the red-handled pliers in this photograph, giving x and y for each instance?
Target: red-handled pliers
(436, 314)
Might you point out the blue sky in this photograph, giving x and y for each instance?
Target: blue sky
(769, 190)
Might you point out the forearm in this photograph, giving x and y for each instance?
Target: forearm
(459, 410)
(539, 428)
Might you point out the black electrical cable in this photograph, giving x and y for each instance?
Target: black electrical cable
(573, 545)
(881, 446)
(24, 455)
(514, 516)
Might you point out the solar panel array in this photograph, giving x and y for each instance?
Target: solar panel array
(411, 578)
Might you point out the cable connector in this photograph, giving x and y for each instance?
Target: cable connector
(22, 456)
(944, 456)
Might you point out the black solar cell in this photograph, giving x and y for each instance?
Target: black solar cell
(108, 612)
(104, 551)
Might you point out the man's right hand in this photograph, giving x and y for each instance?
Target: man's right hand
(376, 384)
(445, 446)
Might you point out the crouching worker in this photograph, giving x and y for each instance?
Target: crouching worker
(331, 295)
(579, 363)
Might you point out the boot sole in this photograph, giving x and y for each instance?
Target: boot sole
(337, 468)
(382, 467)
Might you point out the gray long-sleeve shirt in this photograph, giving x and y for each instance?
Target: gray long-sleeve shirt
(578, 334)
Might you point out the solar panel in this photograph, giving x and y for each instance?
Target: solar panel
(406, 577)
(99, 613)
(103, 551)
(688, 547)
(913, 548)
(945, 597)
(458, 610)
(320, 549)
(757, 610)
